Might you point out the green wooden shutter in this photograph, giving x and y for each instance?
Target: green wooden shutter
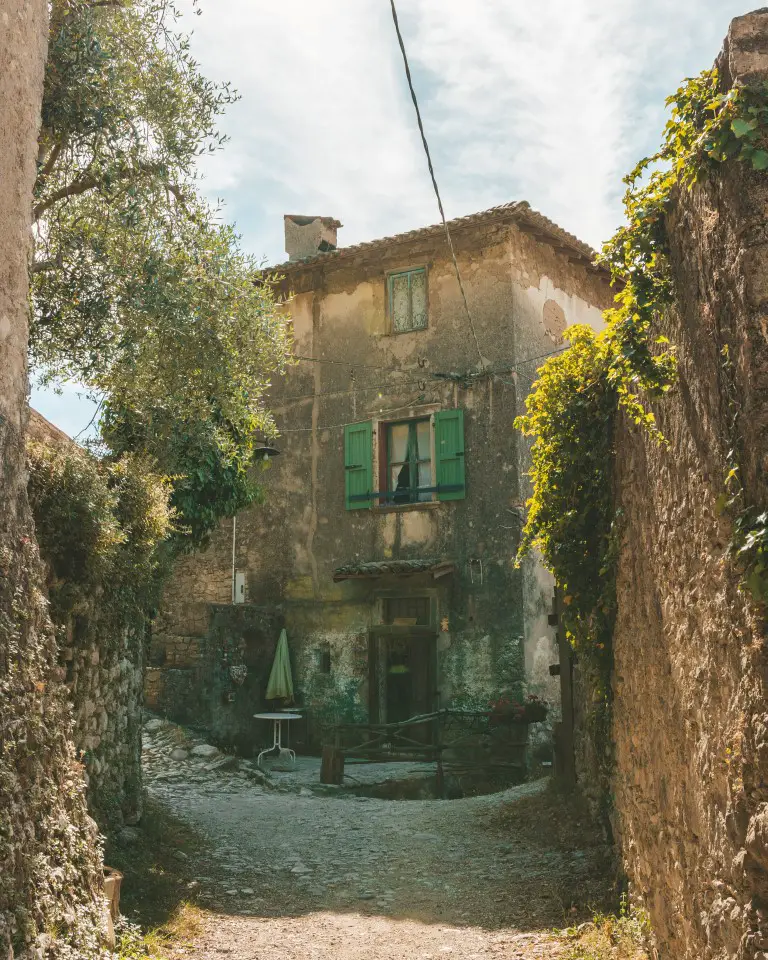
(358, 465)
(449, 454)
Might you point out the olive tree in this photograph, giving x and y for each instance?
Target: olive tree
(140, 292)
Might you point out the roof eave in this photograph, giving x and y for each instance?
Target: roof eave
(520, 212)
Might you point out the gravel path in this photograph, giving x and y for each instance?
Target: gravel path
(291, 872)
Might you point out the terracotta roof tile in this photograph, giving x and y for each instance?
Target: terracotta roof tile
(519, 211)
(397, 568)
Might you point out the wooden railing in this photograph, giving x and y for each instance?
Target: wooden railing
(422, 738)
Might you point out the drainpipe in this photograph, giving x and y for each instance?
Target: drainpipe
(234, 538)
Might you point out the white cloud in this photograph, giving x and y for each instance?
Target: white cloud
(322, 126)
(549, 101)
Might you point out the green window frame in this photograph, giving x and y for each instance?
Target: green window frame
(415, 462)
(434, 458)
(449, 455)
(407, 297)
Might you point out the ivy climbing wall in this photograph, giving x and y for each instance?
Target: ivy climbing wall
(100, 527)
(690, 712)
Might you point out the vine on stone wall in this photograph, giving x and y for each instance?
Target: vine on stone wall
(572, 408)
(100, 526)
(749, 543)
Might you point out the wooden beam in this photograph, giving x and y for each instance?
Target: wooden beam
(396, 630)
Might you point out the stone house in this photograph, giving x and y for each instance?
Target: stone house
(386, 544)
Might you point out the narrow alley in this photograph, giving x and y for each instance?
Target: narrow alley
(297, 871)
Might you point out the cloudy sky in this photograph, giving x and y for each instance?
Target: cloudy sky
(550, 101)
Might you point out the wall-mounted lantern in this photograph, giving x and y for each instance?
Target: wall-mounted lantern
(265, 453)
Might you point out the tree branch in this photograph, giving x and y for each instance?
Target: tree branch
(86, 182)
(41, 266)
(50, 163)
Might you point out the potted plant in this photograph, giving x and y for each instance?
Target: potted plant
(506, 710)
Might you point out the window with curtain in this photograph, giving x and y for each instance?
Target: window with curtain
(409, 461)
(408, 300)
(417, 461)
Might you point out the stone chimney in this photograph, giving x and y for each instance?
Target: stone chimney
(308, 236)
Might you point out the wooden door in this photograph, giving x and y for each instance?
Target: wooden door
(402, 672)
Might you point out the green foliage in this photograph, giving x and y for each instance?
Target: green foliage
(573, 405)
(622, 936)
(211, 464)
(571, 413)
(706, 128)
(100, 526)
(749, 543)
(139, 291)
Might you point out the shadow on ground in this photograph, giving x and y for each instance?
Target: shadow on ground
(551, 869)
(156, 860)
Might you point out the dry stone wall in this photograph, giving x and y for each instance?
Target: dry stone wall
(49, 851)
(102, 668)
(691, 663)
(106, 682)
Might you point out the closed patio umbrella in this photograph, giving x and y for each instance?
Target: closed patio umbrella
(280, 686)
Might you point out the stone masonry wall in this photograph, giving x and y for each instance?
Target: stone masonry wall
(49, 851)
(106, 685)
(691, 663)
(104, 676)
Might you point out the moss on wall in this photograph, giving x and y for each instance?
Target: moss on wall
(238, 652)
(341, 695)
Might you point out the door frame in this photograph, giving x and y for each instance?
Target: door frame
(376, 655)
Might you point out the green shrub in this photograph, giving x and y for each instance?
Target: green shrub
(101, 526)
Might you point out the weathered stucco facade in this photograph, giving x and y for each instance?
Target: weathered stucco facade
(481, 623)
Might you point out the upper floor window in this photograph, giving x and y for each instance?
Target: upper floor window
(407, 291)
(415, 461)
(409, 461)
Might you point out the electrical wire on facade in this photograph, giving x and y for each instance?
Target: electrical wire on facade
(346, 363)
(522, 363)
(434, 180)
(427, 378)
(419, 398)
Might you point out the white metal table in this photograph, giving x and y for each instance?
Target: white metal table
(277, 734)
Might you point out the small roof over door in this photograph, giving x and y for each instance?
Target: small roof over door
(393, 568)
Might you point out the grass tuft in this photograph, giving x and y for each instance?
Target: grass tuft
(625, 936)
(182, 928)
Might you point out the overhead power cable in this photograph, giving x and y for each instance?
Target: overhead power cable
(426, 378)
(434, 180)
(349, 364)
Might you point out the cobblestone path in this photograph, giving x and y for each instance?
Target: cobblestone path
(292, 872)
